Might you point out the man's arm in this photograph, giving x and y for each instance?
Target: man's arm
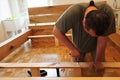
(101, 46)
(100, 52)
(63, 38)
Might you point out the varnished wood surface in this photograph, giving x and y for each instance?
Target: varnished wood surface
(115, 38)
(63, 78)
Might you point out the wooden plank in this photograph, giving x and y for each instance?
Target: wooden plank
(42, 36)
(60, 78)
(44, 18)
(48, 9)
(42, 26)
(46, 14)
(13, 43)
(47, 36)
(115, 65)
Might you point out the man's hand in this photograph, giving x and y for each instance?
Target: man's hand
(97, 67)
(75, 53)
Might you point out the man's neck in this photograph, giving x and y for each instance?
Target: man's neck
(90, 8)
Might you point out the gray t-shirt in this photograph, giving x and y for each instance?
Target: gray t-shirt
(72, 19)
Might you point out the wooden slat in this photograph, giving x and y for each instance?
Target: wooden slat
(42, 29)
(44, 18)
(42, 26)
(60, 78)
(58, 65)
(13, 43)
(47, 36)
(46, 14)
(48, 10)
(42, 36)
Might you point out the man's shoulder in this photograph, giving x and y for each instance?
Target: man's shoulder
(103, 5)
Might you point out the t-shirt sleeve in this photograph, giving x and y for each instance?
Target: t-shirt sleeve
(67, 19)
(112, 28)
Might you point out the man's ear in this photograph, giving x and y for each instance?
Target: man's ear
(84, 21)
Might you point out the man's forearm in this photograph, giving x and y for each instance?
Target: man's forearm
(101, 46)
(63, 38)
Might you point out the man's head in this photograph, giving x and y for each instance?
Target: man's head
(95, 22)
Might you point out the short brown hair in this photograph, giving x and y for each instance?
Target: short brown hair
(97, 20)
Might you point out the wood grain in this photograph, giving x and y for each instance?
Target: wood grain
(13, 43)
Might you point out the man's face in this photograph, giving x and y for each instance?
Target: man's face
(89, 31)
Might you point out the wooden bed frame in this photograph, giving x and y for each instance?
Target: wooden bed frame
(12, 44)
(36, 30)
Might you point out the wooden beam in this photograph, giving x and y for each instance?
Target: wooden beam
(42, 36)
(35, 67)
(48, 10)
(12, 44)
(60, 78)
(44, 18)
(46, 14)
(112, 65)
(42, 26)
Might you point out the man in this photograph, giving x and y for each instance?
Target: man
(91, 25)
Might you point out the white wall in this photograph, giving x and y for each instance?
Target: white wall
(38, 3)
(10, 8)
(18, 7)
(110, 2)
(4, 13)
(57, 2)
(14, 7)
